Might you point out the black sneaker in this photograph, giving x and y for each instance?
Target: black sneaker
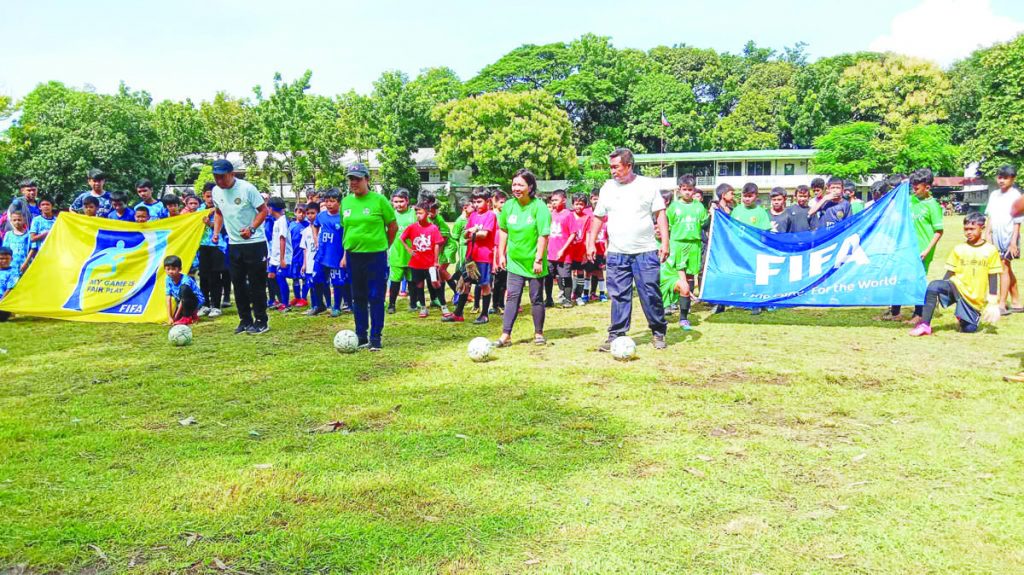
(258, 328)
(481, 320)
(226, 302)
(363, 344)
(659, 341)
(549, 303)
(242, 327)
(315, 311)
(375, 346)
(391, 310)
(607, 345)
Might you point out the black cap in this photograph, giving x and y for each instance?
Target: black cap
(358, 170)
(221, 167)
(97, 174)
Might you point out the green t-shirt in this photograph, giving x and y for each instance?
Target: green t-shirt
(525, 225)
(365, 220)
(856, 206)
(458, 229)
(927, 216)
(238, 206)
(685, 220)
(755, 216)
(398, 257)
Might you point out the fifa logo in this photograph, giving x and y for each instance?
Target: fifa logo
(119, 276)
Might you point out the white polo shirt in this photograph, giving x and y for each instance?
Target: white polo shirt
(628, 208)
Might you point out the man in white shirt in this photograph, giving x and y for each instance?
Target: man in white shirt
(627, 203)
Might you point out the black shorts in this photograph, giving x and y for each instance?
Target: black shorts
(419, 275)
(578, 266)
(600, 262)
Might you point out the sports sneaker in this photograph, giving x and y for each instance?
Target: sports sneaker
(581, 302)
(335, 312)
(403, 294)
(301, 302)
(603, 298)
(565, 304)
(444, 310)
(659, 341)
(242, 327)
(184, 321)
(392, 310)
(453, 319)
(345, 308)
(423, 313)
(921, 329)
(226, 302)
(756, 311)
(481, 320)
(585, 298)
(375, 346)
(294, 302)
(215, 312)
(203, 311)
(914, 321)
(281, 307)
(684, 324)
(315, 311)
(257, 328)
(607, 345)
(549, 303)
(887, 315)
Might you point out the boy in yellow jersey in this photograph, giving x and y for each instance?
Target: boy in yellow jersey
(971, 282)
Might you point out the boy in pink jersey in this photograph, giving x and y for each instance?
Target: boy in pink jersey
(558, 264)
(480, 233)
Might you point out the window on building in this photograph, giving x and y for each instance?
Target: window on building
(444, 175)
(788, 169)
(424, 176)
(759, 168)
(730, 168)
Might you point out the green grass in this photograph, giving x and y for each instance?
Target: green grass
(810, 441)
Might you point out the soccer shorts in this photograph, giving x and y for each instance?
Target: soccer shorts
(280, 272)
(485, 274)
(334, 276)
(685, 256)
(398, 274)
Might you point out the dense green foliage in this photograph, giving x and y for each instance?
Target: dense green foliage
(758, 98)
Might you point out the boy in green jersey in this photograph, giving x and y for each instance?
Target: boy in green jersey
(749, 212)
(686, 219)
(398, 257)
(926, 214)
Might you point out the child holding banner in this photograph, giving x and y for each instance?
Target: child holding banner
(927, 216)
(748, 211)
(19, 241)
(972, 271)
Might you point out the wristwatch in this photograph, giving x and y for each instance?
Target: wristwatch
(252, 230)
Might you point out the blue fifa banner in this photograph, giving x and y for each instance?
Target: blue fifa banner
(869, 259)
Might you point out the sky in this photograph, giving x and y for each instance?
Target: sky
(195, 48)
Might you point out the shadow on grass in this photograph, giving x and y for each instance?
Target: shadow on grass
(810, 317)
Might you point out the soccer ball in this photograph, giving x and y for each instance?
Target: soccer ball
(180, 335)
(480, 349)
(345, 341)
(623, 348)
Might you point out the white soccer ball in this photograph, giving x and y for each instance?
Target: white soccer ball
(346, 341)
(180, 335)
(623, 348)
(480, 349)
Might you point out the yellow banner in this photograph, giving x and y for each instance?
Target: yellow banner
(103, 270)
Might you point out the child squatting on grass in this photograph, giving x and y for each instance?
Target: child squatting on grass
(183, 294)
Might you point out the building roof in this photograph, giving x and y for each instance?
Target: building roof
(804, 154)
(423, 157)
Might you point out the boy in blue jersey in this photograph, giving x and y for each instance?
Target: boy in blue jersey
(8, 277)
(172, 205)
(19, 241)
(295, 229)
(183, 295)
(141, 215)
(156, 209)
(329, 234)
(119, 208)
(41, 225)
(91, 207)
(833, 208)
(279, 261)
(308, 249)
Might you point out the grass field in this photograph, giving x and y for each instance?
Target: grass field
(804, 441)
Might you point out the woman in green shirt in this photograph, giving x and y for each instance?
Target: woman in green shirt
(369, 228)
(524, 226)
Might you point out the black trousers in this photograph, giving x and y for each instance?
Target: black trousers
(516, 283)
(249, 276)
(188, 302)
(211, 268)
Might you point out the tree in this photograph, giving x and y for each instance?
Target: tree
(231, 125)
(593, 167)
(62, 133)
(528, 67)
(759, 120)
(179, 129)
(896, 90)
(964, 103)
(820, 103)
(356, 122)
(496, 134)
(432, 87)
(205, 175)
(650, 96)
(398, 111)
(927, 146)
(848, 151)
(998, 136)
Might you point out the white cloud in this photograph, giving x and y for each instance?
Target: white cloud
(946, 30)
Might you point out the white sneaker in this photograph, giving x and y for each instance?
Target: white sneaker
(215, 312)
(205, 310)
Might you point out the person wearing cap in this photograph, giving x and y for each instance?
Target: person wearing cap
(29, 189)
(96, 181)
(240, 212)
(627, 203)
(370, 227)
(157, 210)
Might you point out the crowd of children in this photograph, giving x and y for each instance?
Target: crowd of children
(430, 256)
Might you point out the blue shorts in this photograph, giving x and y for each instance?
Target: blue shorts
(279, 272)
(334, 276)
(295, 269)
(485, 274)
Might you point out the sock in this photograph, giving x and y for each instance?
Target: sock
(476, 296)
(405, 286)
(297, 287)
(684, 304)
(577, 286)
(485, 307)
(339, 297)
(593, 285)
(460, 307)
(393, 293)
(601, 286)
